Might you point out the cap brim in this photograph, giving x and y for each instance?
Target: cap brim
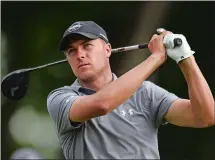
(64, 41)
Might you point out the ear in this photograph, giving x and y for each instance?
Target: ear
(108, 50)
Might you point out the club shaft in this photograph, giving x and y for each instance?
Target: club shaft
(130, 48)
(117, 50)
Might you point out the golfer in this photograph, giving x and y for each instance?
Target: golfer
(102, 116)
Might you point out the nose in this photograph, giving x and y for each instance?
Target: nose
(81, 54)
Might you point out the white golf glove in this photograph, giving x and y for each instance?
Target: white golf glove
(177, 53)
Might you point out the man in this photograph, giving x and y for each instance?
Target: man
(102, 116)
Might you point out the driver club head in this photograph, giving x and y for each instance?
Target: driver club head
(14, 85)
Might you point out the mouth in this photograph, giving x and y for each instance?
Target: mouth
(82, 65)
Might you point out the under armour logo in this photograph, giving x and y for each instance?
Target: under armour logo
(123, 112)
(130, 111)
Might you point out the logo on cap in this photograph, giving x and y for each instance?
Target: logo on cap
(74, 27)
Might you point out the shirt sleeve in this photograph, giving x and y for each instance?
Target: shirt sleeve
(59, 103)
(161, 100)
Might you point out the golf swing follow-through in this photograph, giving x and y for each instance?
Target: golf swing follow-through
(14, 85)
(102, 116)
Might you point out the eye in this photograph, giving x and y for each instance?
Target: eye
(70, 51)
(86, 45)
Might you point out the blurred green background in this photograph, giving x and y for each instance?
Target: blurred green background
(30, 34)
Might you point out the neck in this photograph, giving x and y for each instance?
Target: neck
(98, 82)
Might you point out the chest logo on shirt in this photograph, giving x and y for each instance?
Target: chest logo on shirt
(130, 111)
(124, 113)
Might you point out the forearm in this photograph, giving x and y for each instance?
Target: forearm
(201, 98)
(121, 89)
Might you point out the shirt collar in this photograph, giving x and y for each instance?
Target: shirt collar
(87, 91)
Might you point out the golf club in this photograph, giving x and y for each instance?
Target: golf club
(14, 85)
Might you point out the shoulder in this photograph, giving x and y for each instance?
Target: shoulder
(151, 87)
(60, 98)
(58, 95)
(63, 90)
(144, 90)
(146, 86)
(151, 90)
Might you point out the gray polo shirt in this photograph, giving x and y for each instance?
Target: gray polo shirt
(129, 131)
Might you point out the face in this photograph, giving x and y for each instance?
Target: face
(88, 58)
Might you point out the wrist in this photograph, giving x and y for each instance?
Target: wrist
(188, 66)
(159, 57)
(187, 62)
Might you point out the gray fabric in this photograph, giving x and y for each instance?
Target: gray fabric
(129, 131)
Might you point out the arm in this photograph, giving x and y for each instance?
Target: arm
(197, 112)
(101, 103)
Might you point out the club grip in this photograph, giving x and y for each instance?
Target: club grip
(143, 46)
(177, 42)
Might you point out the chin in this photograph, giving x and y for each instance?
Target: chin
(85, 76)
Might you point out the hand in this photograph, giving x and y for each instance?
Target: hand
(177, 53)
(156, 46)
